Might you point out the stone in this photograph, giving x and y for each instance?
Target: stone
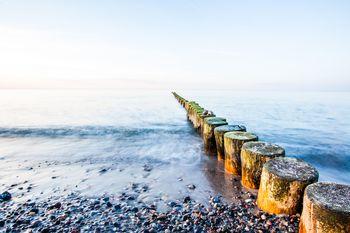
(219, 137)
(253, 156)
(5, 196)
(326, 208)
(282, 185)
(191, 186)
(233, 142)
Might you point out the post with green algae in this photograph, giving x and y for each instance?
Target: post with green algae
(219, 137)
(193, 108)
(197, 112)
(282, 184)
(233, 142)
(210, 123)
(201, 118)
(253, 156)
(326, 208)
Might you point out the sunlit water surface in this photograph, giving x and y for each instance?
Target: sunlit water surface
(97, 142)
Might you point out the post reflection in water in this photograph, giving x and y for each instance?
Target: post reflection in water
(222, 183)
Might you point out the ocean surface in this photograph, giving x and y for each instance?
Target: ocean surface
(53, 142)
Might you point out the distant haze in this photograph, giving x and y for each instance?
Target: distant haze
(238, 45)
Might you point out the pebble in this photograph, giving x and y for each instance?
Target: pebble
(78, 213)
(5, 196)
(191, 186)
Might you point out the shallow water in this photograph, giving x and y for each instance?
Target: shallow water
(101, 141)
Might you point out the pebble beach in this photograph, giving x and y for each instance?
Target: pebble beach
(125, 213)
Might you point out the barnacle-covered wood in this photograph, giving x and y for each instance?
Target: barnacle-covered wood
(326, 208)
(210, 123)
(282, 185)
(253, 156)
(219, 137)
(233, 142)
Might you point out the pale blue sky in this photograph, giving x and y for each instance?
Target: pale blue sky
(255, 45)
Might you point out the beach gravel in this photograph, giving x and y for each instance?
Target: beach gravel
(77, 213)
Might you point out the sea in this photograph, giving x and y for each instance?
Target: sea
(54, 142)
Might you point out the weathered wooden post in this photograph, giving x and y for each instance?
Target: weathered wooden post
(204, 115)
(233, 142)
(210, 123)
(282, 185)
(219, 137)
(253, 156)
(326, 208)
(196, 118)
(194, 109)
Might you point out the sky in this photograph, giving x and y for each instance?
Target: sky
(182, 44)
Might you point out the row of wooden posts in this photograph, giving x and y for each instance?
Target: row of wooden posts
(285, 185)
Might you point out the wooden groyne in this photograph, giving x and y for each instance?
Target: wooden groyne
(285, 185)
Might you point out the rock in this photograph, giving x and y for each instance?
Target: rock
(103, 170)
(5, 196)
(147, 168)
(216, 199)
(191, 186)
(187, 199)
(57, 205)
(171, 203)
(36, 224)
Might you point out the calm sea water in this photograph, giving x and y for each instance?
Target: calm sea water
(57, 141)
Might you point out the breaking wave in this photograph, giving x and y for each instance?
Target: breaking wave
(87, 131)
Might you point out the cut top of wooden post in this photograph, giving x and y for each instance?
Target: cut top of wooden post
(210, 120)
(242, 136)
(219, 137)
(326, 208)
(264, 149)
(228, 128)
(331, 196)
(253, 156)
(291, 169)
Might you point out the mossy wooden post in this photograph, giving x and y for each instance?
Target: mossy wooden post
(207, 119)
(219, 137)
(233, 142)
(326, 208)
(196, 118)
(282, 185)
(210, 123)
(253, 156)
(187, 105)
(193, 109)
(204, 115)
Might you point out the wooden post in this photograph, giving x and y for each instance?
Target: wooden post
(282, 185)
(210, 123)
(326, 208)
(219, 137)
(253, 156)
(233, 142)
